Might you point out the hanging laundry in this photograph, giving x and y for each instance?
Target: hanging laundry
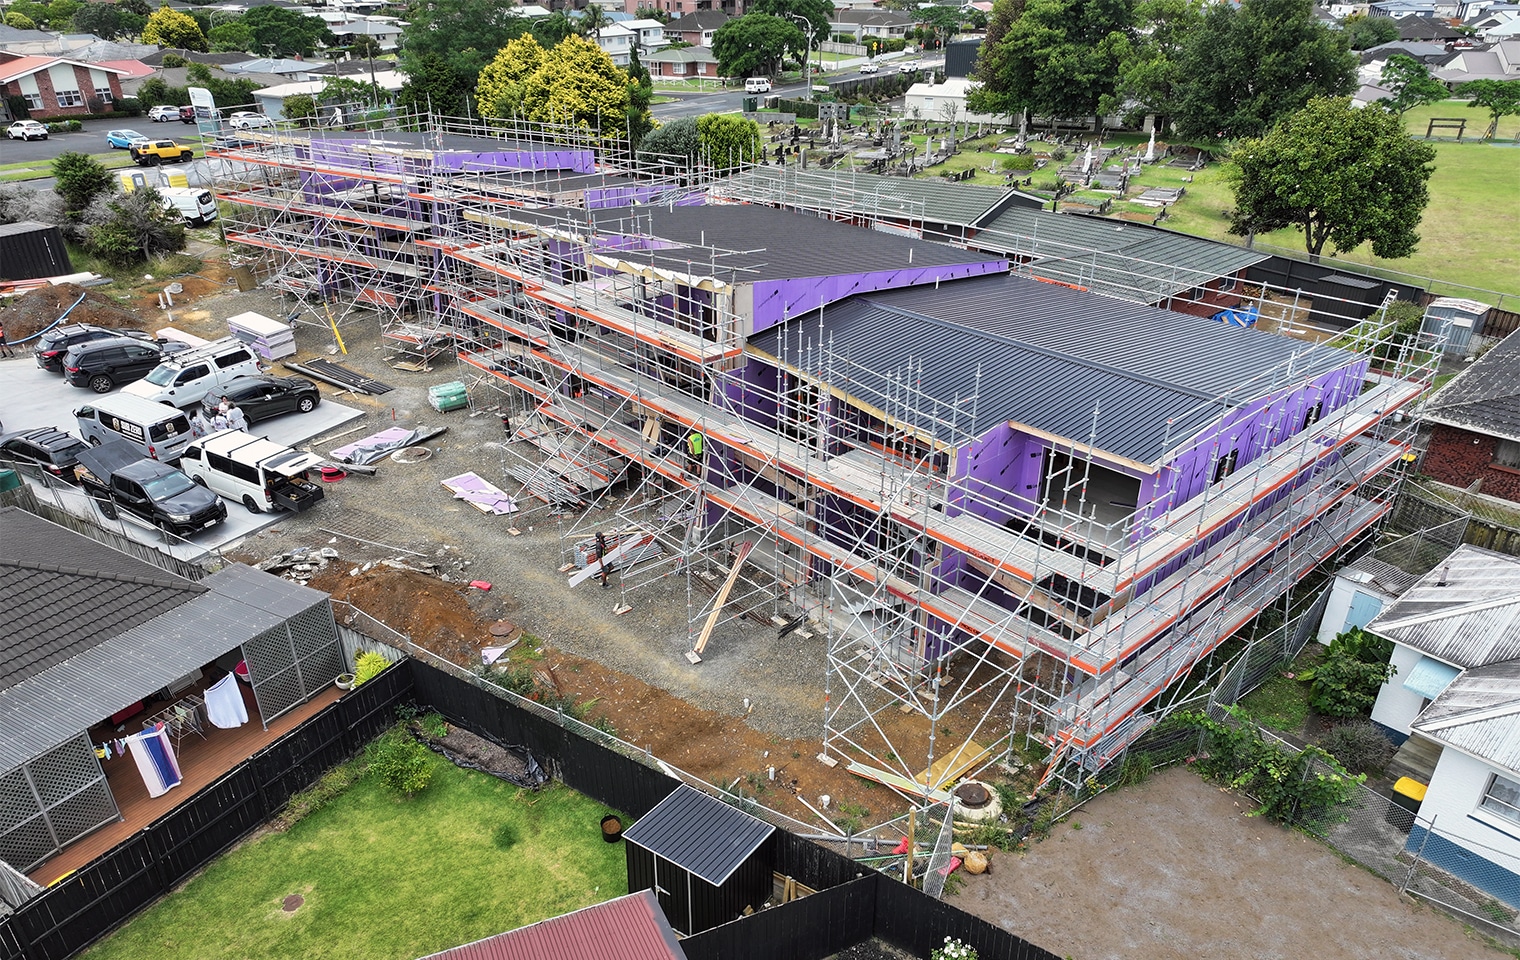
(121, 747)
(102, 752)
(224, 704)
(155, 760)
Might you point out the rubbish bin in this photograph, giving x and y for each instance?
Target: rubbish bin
(751, 104)
(1408, 794)
(9, 480)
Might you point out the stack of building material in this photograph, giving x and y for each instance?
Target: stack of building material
(480, 494)
(270, 339)
(448, 396)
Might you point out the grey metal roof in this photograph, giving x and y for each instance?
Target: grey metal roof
(1471, 621)
(1049, 356)
(1479, 713)
(1484, 398)
(63, 593)
(1132, 261)
(700, 834)
(48, 708)
(934, 200)
(762, 243)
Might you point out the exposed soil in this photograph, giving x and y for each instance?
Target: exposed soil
(292, 903)
(37, 310)
(468, 749)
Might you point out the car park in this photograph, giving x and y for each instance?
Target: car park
(263, 396)
(103, 365)
(248, 120)
(123, 139)
(149, 153)
(53, 345)
(46, 449)
(183, 379)
(122, 481)
(26, 130)
(163, 113)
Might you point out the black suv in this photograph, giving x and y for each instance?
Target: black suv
(103, 365)
(51, 346)
(46, 448)
(261, 397)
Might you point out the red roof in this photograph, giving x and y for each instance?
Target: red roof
(25, 66)
(130, 69)
(629, 928)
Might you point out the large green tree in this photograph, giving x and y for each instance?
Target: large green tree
(1501, 98)
(574, 83)
(465, 33)
(108, 21)
(1060, 58)
(1339, 175)
(432, 84)
(755, 44)
(817, 13)
(995, 59)
(170, 28)
(1152, 76)
(1411, 84)
(284, 33)
(727, 140)
(233, 37)
(1364, 31)
(1248, 66)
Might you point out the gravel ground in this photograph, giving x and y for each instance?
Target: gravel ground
(404, 508)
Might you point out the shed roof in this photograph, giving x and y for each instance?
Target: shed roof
(700, 834)
(1484, 398)
(1479, 714)
(1465, 612)
(631, 927)
(1046, 356)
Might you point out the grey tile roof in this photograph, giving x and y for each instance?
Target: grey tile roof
(63, 593)
(698, 833)
(1471, 621)
(1484, 398)
(1048, 356)
(697, 20)
(1479, 713)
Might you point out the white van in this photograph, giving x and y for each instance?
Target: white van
(186, 377)
(757, 85)
(260, 474)
(196, 205)
(157, 429)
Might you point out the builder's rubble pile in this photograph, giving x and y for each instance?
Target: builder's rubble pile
(302, 563)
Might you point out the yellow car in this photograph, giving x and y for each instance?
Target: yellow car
(152, 152)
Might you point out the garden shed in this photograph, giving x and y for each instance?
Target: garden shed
(705, 860)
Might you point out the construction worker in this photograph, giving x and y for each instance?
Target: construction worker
(694, 451)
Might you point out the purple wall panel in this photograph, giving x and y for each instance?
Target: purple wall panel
(573, 161)
(778, 300)
(1002, 473)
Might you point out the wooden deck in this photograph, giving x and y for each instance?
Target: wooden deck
(201, 761)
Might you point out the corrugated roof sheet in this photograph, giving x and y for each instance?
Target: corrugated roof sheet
(1479, 713)
(1485, 397)
(632, 927)
(1471, 621)
(1049, 357)
(47, 708)
(700, 834)
(933, 200)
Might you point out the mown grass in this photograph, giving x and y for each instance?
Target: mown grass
(386, 877)
(1282, 703)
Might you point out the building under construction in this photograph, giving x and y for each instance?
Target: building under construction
(1007, 504)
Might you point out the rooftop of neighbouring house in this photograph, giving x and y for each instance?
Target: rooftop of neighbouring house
(1484, 398)
(700, 834)
(1479, 714)
(1050, 358)
(1465, 612)
(698, 20)
(631, 927)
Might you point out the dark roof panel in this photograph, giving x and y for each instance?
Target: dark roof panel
(632, 927)
(700, 834)
(1485, 397)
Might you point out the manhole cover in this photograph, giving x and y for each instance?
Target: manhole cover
(412, 455)
(972, 795)
(293, 902)
(503, 628)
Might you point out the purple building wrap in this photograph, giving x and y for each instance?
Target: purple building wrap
(778, 300)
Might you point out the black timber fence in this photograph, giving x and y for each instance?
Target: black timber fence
(103, 894)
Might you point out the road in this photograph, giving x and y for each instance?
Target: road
(732, 101)
(92, 139)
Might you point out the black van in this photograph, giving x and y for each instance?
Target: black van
(103, 365)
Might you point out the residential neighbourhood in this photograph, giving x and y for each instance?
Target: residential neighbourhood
(777, 478)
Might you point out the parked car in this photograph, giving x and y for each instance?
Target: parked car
(248, 120)
(121, 480)
(103, 365)
(163, 113)
(46, 448)
(26, 130)
(150, 153)
(187, 115)
(263, 396)
(123, 139)
(52, 346)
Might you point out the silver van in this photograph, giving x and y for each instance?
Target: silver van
(186, 377)
(157, 429)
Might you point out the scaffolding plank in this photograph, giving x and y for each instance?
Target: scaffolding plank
(951, 766)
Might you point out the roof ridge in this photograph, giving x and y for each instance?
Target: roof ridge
(177, 582)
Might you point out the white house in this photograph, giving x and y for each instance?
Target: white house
(945, 102)
(649, 35)
(870, 23)
(272, 99)
(617, 42)
(1469, 821)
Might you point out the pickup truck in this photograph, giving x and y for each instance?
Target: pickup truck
(149, 153)
(121, 480)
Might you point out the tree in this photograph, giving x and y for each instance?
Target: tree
(1363, 31)
(20, 21)
(940, 23)
(1411, 83)
(234, 37)
(503, 83)
(818, 13)
(1346, 682)
(1500, 97)
(755, 44)
(107, 21)
(676, 139)
(1059, 57)
(302, 108)
(995, 59)
(170, 28)
(466, 34)
(79, 179)
(138, 8)
(636, 117)
(284, 33)
(728, 141)
(1152, 75)
(553, 28)
(573, 83)
(433, 84)
(1339, 174)
(127, 229)
(1251, 65)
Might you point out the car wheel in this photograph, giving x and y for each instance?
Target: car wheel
(306, 404)
(251, 504)
(101, 383)
(107, 510)
(199, 480)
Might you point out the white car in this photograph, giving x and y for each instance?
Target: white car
(163, 113)
(757, 85)
(26, 130)
(248, 120)
(869, 67)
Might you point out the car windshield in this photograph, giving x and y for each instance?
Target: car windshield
(168, 485)
(160, 376)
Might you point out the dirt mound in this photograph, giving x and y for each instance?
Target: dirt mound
(434, 614)
(39, 309)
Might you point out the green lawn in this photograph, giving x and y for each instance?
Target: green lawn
(1417, 120)
(385, 877)
(1282, 702)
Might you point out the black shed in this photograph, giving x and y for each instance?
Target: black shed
(705, 860)
(29, 250)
